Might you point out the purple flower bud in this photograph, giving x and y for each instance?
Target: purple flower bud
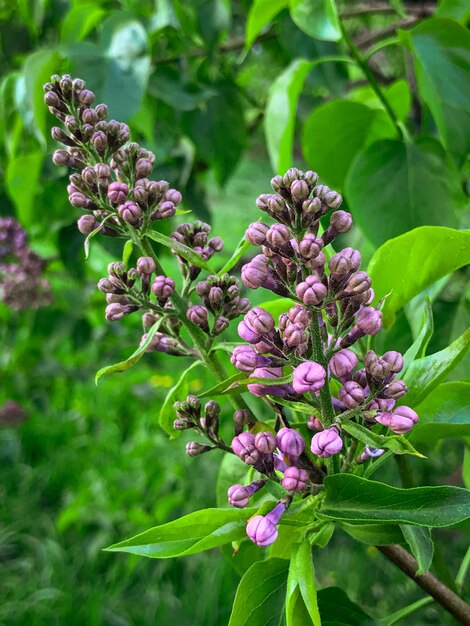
(314, 423)
(299, 190)
(327, 443)
(115, 312)
(295, 479)
(357, 284)
(221, 324)
(311, 206)
(245, 358)
(256, 233)
(165, 210)
(163, 287)
(79, 200)
(310, 246)
(244, 447)
(130, 212)
(86, 97)
(400, 421)
(99, 141)
(396, 389)
(146, 265)
(278, 235)
(333, 199)
(369, 320)
(384, 405)
(265, 442)
(87, 224)
(262, 530)
(294, 335)
(238, 496)
(290, 441)
(369, 453)
(174, 196)
(215, 244)
(352, 394)
(311, 291)
(255, 272)
(193, 448)
(259, 320)
(344, 262)
(260, 390)
(379, 369)
(143, 167)
(117, 193)
(341, 221)
(343, 363)
(198, 315)
(394, 359)
(247, 333)
(308, 377)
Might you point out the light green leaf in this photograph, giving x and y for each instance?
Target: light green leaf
(394, 186)
(302, 577)
(350, 498)
(178, 391)
(220, 387)
(398, 96)
(444, 413)
(80, 21)
(196, 532)
(122, 366)
(425, 374)
(127, 251)
(418, 348)
(317, 18)
(260, 594)
(441, 55)
(458, 10)
(183, 251)
(396, 443)
(260, 15)
(279, 122)
(22, 179)
(235, 383)
(422, 547)
(240, 250)
(407, 264)
(232, 471)
(341, 127)
(277, 307)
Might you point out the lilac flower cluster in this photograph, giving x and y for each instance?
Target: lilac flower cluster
(22, 285)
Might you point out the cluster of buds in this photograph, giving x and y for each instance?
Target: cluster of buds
(12, 414)
(196, 237)
(205, 420)
(112, 182)
(22, 285)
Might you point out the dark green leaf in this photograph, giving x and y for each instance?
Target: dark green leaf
(396, 443)
(374, 534)
(178, 392)
(317, 18)
(302, 577)
(122, 366)
(341, 127)
(444, 413)
(425, 374)
(260, 594)
(182, 250)
(196, 532)
(404, 266)
(394, 186)
(350, 498)
(335, 607)
(422, 547)
(22, 177)
(441, 55)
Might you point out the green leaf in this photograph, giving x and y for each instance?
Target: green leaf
(127, 251)
(38, 69)
(196, 532)
(398, 96)
(350, 498)
(341, 127)
(260, 594)
(234, 383)
(240, 250)
(441, 55)
(317, 18)
(178, 391)
(458, 10)
(279, 122)
(89, 237)
(220, 387)
(183, 251)
(80, 21)
(374, 534)
(466, 465)
(22, 179)
(444, 413)
(394, 186)
(425, 374)
(260, 15)
(118, 68)
(418, 348)
(396, 443)
(226, 346)
(336, 608)
(122, 366)
(277, 307)
(302, 577)
(422, 547)
(404, 266)
(231, 471)
(295, 406)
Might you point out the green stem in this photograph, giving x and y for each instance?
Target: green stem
(371, 79)
(463, 571)
(405, 470)
(327, 410)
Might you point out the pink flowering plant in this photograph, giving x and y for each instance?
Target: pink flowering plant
(310, 411)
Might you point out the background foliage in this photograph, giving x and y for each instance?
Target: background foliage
(226, 94)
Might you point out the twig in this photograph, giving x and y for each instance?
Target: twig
(431, 585)
(369, 38)
(422, 10)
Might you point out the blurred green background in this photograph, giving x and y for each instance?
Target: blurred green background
(88, 466)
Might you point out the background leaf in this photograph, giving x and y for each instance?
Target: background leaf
(22, 178)
(445, 412)
(260, 14)
(317, 18)
(422, 547)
